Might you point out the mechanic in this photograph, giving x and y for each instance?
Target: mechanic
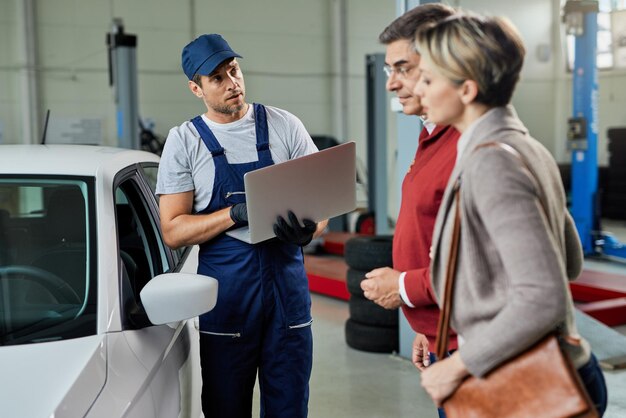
(407, 284)
(262, 320)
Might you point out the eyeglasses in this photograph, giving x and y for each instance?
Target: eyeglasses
(401, 72)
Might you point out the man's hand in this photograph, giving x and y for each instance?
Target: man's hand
(443, 377)
(420, 354)
(381, 286)
(239, 214)
(291, 232)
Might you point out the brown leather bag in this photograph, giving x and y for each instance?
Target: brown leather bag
(540, 382)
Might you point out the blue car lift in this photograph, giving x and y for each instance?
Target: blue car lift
(581, 19)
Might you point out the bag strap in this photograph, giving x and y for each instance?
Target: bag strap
(443, 326)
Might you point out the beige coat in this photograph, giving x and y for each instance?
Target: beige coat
(514, 261)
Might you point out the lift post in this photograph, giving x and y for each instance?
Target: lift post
(377, 141)
(581, 20)
(123, 78)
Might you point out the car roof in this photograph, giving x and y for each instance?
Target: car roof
(80, 160)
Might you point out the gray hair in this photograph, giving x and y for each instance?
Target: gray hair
(405, 26)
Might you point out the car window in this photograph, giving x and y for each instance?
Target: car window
(47, 259)
(142, 250)
(150, 171)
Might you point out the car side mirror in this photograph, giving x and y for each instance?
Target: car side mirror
(172, 297)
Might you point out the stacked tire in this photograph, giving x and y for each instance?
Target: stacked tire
(615, 199)
(370, 327)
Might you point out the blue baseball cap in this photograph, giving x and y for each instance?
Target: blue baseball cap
(205, 53)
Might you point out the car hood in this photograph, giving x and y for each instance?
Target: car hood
(59, 378)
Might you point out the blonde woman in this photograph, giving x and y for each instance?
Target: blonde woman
(518, 245)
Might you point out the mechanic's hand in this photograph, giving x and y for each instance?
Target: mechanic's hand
(420, 354)
(291, 232)
(382, 286)
(239, 214)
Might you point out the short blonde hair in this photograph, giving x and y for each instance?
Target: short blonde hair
(487, 50)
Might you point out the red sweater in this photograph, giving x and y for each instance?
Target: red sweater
(422, 191)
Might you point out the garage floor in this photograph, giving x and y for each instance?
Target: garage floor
(348, 383)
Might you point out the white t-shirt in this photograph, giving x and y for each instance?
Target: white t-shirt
(186, 163)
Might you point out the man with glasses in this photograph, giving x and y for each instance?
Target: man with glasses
(407, 284)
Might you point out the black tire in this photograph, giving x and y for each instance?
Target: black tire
(368, 253)
(353, 281)
(365, 224)
(366, 312)
(372, 339)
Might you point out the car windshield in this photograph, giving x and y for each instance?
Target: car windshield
(47, 262)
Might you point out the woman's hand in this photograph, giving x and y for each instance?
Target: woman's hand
(420, 355)
(443, 377)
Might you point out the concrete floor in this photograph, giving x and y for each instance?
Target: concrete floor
(347, 383)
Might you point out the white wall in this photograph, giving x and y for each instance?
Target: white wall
(543, 98)
(612, 108)
(534, 97)
(286, 44)
(290, 61)
(9, 75)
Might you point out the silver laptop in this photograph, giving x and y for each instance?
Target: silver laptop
(317, 186)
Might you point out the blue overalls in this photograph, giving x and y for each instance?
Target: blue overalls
(262, 319)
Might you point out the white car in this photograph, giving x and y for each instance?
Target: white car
(96, 312)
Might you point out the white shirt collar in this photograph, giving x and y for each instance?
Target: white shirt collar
(428, 125)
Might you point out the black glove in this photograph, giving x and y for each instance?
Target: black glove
(292, 233)
(239, 214)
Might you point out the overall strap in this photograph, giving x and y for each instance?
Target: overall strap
(262, 133)
(208, 138)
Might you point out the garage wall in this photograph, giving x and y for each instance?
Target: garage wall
(534, 97)
(287, 45)
(280, 58)
(365, 21)
(290, 61)
(612, 108)
(9, 75)
(286, 53)
(543, 98)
